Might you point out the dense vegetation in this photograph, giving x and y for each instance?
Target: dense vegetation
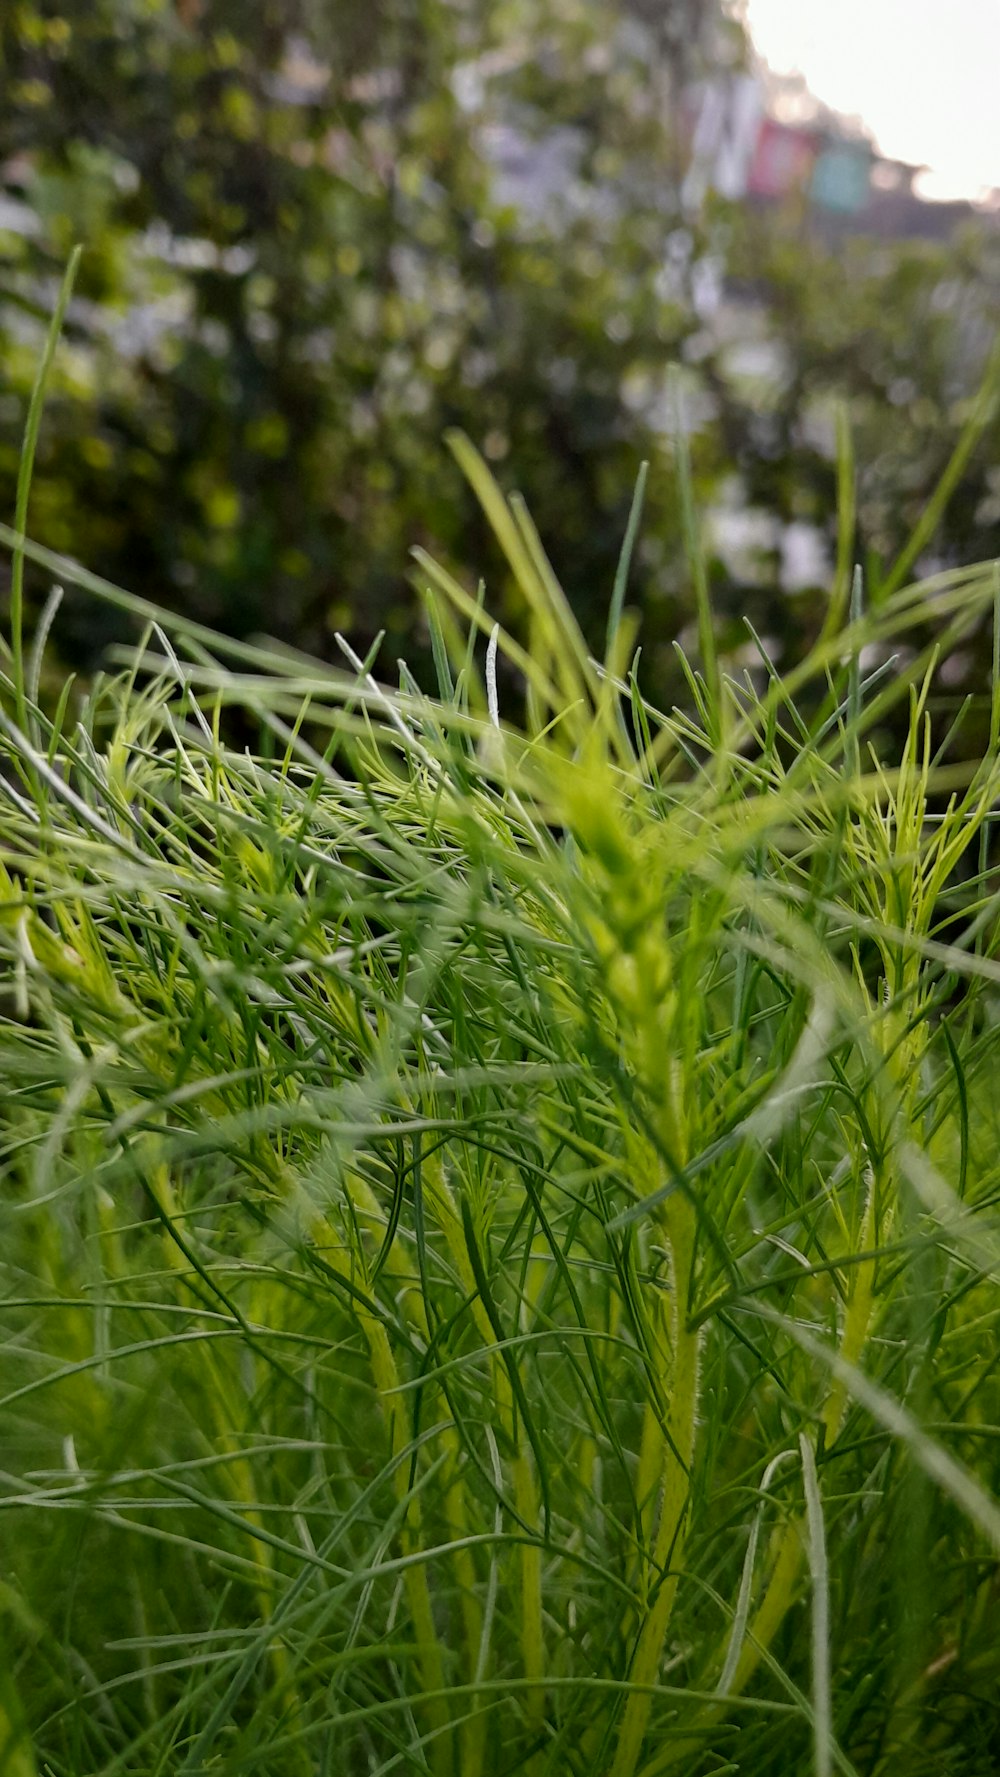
(304, 262)
(499, 1262)
(298, 274)
(499, 1266)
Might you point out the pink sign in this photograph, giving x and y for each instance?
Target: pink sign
(782, 160)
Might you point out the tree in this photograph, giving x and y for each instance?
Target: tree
(319, 235)
(300, 271)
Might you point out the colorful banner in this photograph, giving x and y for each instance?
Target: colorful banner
(734, 150)
(783, 160)
(841, 178)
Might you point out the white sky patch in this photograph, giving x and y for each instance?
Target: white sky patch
(922, 74)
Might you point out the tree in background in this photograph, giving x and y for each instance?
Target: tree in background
(318, 235)
(241, 344)
(301, 269)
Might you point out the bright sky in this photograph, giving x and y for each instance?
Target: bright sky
(923, 74)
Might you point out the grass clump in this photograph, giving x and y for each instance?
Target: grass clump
(499, 1261)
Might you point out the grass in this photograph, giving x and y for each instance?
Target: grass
(500, 1262)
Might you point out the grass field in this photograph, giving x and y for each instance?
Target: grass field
(499, 1260)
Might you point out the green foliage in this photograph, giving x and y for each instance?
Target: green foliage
(241, 291)
(896, 339)
(297, 276)
(302, 267)
(499, 1256)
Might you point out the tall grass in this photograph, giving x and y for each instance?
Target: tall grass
(499, 1260)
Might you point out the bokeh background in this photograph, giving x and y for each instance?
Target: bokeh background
(319, 233)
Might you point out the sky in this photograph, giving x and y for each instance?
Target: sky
(922, 74)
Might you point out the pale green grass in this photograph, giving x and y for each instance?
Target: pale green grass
(499, 1249)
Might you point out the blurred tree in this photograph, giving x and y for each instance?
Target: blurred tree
(318, 234)
(301, 268)
(899, 335)
(241, 198)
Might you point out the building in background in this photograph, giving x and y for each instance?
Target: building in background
(741, 148)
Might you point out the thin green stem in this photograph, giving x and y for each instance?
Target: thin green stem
(25, 471)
